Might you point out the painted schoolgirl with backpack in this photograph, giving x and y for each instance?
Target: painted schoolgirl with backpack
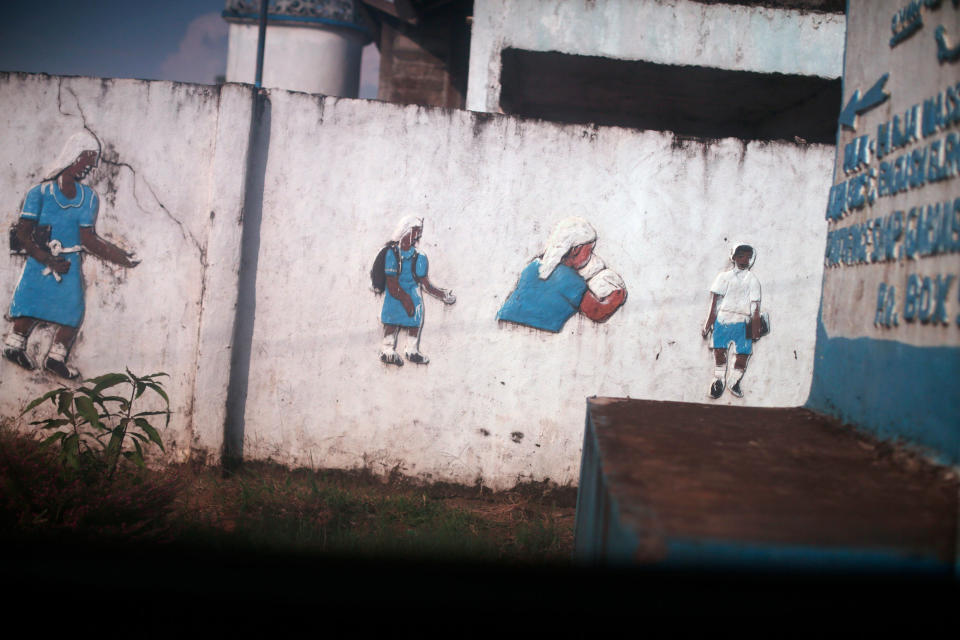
(400, 272)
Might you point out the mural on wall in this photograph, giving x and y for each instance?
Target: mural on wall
(734, 319)
(400, 272)
(56, 224)
(568, 277)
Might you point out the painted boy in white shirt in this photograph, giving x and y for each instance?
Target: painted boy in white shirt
(736, 300)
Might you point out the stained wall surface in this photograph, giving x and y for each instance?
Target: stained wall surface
(500, 403)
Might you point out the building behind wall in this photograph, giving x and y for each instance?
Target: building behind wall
(749, 70)
(753, 70)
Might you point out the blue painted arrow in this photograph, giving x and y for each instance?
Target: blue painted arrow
(945, 53)
(875, 95)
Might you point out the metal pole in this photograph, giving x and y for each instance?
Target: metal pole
(261, 38)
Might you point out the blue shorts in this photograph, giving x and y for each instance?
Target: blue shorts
(724, 334)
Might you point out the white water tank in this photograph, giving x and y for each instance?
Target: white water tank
(311, 45)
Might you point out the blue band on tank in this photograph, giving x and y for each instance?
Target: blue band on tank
(271, 17)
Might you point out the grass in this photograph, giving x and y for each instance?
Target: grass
(266, 507)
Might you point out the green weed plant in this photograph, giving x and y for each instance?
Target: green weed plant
(94, 422)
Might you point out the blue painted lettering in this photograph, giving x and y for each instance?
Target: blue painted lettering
(955, 227)
(881, 305)
(910, 302)
(886, 315)
(912, 232)
(896, 136)
(892, 230)
(918, 165)
(933, 169)
(860, 241)
(883, 140)
(952, 105)
(905, 22)
(924, 304)
(943, 284)
(837, 202)
(855, 192)
(951, 155)
(932, 115)
(850, 157)
(900, 175)
(885, 179)
(876, 239)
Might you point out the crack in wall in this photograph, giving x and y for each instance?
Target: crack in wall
(115, 162)
(187, 235)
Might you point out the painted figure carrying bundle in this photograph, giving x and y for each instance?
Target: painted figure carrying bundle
(56, 225)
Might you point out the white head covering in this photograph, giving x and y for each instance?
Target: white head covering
(406, 223)
(737, 245)
(569, 233)
(76, 144)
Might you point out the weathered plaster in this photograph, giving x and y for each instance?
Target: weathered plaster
(496, 404)
(158, 146)
(490, 190)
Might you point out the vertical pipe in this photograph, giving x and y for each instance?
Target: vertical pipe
(261, 38)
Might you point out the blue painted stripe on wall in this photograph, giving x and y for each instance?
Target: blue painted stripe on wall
(891, 389)
(718, 554)
(275, 18)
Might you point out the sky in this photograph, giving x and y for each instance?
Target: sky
(180, 40)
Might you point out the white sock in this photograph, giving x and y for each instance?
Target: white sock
(389, 344)
(15, 341)
(58, 352)
(737, 375)
(413, 344)
(720, 372)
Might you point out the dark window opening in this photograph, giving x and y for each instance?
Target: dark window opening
(820, 6)
(689, 101)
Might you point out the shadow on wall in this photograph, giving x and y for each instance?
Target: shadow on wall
(252, 218)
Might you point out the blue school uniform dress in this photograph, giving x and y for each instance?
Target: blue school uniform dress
(544, 304)
(393, 311)
(41, 296)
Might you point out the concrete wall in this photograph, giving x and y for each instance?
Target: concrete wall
(172, 158)
(319, 184)
(505, 403)
(674, 32)
(888, 350)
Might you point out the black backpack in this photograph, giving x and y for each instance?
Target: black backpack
(378, 276)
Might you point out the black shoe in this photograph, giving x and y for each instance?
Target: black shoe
(19, 357)
(391, 358)
(735, 390)
(417, 358)
(716, 389)
(60, 368)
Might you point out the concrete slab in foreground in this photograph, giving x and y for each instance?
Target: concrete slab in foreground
(690, 485)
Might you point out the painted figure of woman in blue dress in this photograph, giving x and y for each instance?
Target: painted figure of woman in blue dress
(406, 274)
(56, 224)
(567, 278)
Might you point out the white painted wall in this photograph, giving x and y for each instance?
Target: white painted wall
(490, 190)
(315, 59)
(172, 154)
(675, 32)
(338, 175)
